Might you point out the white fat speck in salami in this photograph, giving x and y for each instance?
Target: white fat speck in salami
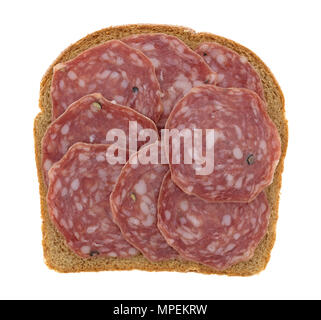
(115, 70)
(178, 68)
(88, 120)
(87, 227)
(213, 235)
(136, 213)
(244, 158)
(234, 71)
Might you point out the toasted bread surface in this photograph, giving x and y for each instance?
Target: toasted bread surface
(56, 253)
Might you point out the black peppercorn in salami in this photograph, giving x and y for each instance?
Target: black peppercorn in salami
(246, 145)
(233, 70)
(120, 73)
(134, 205)
(89, 119)
(78, 202)
(178, 68)
(214, 234)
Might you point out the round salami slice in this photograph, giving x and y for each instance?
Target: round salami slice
(239, 150)
(233, 70)
(89, 119)
(178, 68)
(134, 204)
(78, 202)
(120, 73)
(214, 234)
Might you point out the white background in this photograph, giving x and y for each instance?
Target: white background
(285, 34)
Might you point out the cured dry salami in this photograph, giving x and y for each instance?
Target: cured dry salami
(78, 202)
(245, 145)
(233, 70)
(120, 73)
(134, 204)
(89, 119)
(214, 234)
(178, 68)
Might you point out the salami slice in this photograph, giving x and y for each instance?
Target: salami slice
(214, 234)
(178, 68)
(89, 119)
(115, 70)
(78, 202)
(245, 144)
(233, 70)
(134, 205)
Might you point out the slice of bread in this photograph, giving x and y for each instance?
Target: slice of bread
(60, 258)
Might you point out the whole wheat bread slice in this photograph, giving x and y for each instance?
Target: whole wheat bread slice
(60, 258)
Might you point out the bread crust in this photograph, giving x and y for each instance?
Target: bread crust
(60, 258)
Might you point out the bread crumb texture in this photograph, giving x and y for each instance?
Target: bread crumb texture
(60, 258)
